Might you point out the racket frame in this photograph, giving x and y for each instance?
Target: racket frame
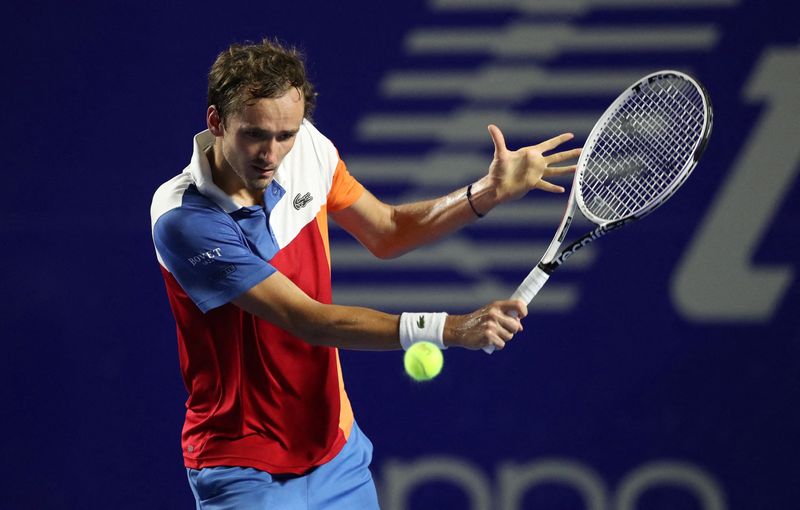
(550, 261)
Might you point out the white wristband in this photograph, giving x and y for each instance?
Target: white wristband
(422, 327)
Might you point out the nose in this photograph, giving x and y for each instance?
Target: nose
(269, 151)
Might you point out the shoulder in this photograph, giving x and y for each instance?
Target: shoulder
(312, 142)
(308, 129)
(169, 196)
(179, 209)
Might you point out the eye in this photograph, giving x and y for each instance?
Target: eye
(285, 136)
(252, 134)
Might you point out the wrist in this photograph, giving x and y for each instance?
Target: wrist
(472, 204)
(482, 196)
(449, 336)
(422, 327)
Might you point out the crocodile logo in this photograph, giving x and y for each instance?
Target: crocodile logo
(301, 201)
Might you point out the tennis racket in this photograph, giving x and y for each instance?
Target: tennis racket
(637, 155)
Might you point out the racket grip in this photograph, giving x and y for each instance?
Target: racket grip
(526, 291)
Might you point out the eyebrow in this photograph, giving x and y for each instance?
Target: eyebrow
(263, 132)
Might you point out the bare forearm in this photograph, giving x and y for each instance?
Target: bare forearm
(279, 301)
(389, 231)
(419, 223)
(348, 327)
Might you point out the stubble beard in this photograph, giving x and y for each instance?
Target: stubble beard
(258, 185)
(255, 185)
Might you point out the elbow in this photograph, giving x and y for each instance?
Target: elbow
(318, 337)
(330, 326)
(310, 333)
(313, 328)
(385, 251)
(387, 241)
(382, 246)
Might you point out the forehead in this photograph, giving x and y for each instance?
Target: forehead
(273, 113)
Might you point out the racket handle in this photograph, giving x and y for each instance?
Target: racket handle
(526, 291)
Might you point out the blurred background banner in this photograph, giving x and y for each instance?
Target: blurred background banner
(660, 369)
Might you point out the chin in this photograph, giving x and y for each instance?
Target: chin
(258, 184)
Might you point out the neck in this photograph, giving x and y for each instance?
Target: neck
(226, 179)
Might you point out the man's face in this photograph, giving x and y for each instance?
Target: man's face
(256, 140)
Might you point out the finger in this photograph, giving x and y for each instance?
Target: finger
(498, 139)
(562, 156)
(504, 334)
(517, 306)
(497, 342)
(549, 187)
(559, 170)
(554, 142)
(509, 326)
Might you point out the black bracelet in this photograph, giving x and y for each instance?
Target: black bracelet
(469, 199)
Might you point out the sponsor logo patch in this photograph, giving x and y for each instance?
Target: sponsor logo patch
(301, 201)
(205, 257)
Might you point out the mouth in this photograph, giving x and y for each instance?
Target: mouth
(263, 172)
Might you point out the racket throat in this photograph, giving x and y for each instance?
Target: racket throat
(588, 238)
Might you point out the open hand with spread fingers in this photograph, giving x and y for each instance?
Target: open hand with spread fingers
(514, 173)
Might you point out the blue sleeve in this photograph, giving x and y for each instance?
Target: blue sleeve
(208, 256)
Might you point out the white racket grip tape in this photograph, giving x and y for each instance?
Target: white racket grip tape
(531, 286)
(526, 291)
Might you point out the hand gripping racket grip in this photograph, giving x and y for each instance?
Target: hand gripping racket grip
(526, 291)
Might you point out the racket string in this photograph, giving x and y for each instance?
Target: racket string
(642, 148)
(647, 159)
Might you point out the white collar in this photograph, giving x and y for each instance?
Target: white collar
(200, 170)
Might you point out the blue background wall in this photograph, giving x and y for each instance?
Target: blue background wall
(661, 370)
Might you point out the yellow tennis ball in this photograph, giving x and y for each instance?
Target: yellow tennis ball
(423, 361)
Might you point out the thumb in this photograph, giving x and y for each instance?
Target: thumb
(498, 139)
(514, 308)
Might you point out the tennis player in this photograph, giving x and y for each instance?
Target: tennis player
(241, 236)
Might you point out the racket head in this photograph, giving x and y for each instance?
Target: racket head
(643, 148)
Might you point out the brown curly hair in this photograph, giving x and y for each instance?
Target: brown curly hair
(248, 71)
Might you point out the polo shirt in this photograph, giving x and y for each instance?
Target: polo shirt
(258, 396)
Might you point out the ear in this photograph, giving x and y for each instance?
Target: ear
(214, 121)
